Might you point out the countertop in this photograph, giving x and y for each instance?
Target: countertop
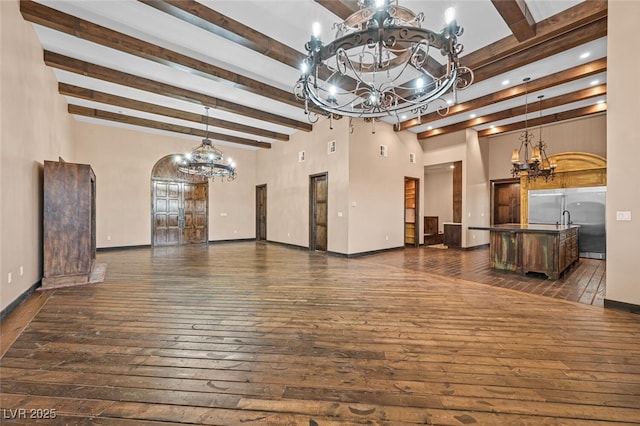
(526, 227)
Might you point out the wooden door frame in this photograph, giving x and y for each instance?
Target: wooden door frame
(417, 210)
(258, 189)
(312, 206)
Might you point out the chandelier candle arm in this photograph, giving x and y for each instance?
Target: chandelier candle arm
(374, 66)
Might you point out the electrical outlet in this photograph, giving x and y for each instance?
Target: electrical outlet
(9, 278)
(21, 271)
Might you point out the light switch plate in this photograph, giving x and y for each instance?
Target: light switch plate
(623, 216)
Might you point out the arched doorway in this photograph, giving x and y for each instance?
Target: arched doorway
(179, 205)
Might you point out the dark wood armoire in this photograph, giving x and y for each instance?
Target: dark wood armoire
(69, 224)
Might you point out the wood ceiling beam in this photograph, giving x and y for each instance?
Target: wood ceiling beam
(51, 18)
(561, 77)
(216, 23)
(565, 99)
(547, 119)
(203, 17)
(158, 125)
(342, 9)
(569, 40)
(564, 22)
(99, 72)
(109, 99)
(517, 16)
(576, 26)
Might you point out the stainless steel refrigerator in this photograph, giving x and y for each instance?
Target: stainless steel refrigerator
(581, 206)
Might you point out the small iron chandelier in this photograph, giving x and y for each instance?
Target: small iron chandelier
(206, 160)
(379, 65)
(536, 164)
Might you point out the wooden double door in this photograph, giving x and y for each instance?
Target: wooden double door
(180, 212)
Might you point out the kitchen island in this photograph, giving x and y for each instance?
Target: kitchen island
(522, 248)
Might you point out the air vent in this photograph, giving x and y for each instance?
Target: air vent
(300, 156)
(412, 158)
(331, 147)
(383, 150)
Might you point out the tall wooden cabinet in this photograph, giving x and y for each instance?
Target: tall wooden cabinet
(69, 224)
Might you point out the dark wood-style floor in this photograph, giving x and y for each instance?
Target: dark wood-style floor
(251, 333)
(584, 282)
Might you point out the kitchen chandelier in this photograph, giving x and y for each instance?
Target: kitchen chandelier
(535, 164)
(206, 160)
(380, 65)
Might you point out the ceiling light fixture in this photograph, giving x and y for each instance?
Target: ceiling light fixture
(206, 160)
(379, 65)
(536, 164)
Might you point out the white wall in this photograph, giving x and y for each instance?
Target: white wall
(34, 127)
(123, 159)
(623, 150)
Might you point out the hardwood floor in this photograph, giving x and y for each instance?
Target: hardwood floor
(255, 333)
(584, 282)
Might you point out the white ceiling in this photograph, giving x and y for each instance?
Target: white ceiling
(289, 22)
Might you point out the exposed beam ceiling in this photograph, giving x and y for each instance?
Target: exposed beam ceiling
(254, 49)
(561, 77)
(511, 112)
(119, 101)
(96, 71)
(127, 119)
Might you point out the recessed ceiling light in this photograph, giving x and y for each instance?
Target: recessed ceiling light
(404, 117)
(601, 101)
(505, 82)
(449, 101)
(594, 82)
(585, 55)
(472, 116)
(493, 126)
(430, 128)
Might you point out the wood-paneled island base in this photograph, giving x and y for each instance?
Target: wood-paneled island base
(522, 248)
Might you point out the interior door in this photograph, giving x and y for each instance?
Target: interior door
(318, 223)
(411, 226)
(166, 213)
(261, 213)
(506, 202)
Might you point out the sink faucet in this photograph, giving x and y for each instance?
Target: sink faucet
(568, 215)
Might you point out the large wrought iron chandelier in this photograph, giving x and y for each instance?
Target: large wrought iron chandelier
(206, 160)
(531, 158)
(380, 64)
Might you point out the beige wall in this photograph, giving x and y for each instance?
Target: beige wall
(376, 186)
(623, 151)
(366, 191)
(123, 159)
(438, 194)
(587, 134)
(34, 127)
(476, 190)
(287, 181)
